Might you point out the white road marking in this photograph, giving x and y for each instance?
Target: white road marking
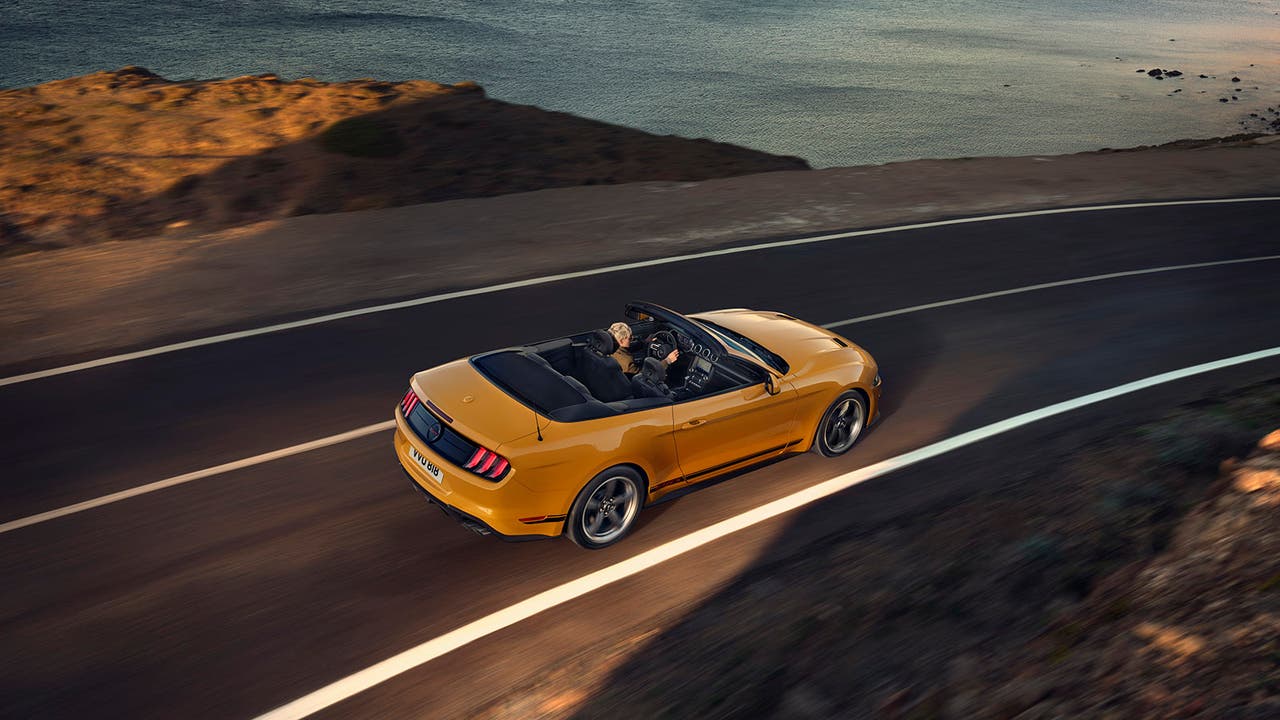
(1046, 286)
(361, 432)
(227, 337)
(198, 474)
(373, 675)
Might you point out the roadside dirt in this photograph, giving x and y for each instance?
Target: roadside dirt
(1138, 577)
(80, 302)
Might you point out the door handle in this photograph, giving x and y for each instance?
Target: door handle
(695, 422)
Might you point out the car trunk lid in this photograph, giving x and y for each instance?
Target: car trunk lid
(472, 406)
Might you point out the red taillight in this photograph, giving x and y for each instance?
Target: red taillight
(409, 402)
(487, 463)
(476, 458)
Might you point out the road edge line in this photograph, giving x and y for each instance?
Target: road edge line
(1048, 286)
(531, 282)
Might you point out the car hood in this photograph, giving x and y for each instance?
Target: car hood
(474, 406)
(793, 339)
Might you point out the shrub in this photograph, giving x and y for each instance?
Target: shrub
(183, 186)
(1198, 442)
(362, 137)
(1030, 560)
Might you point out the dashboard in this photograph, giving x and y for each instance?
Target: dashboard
(704, 353)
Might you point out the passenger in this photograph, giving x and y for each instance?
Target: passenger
(630, 363)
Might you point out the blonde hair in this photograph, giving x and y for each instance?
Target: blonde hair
(620, 330)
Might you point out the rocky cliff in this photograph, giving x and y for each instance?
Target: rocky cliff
(128, 153)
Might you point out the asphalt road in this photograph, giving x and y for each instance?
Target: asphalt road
(233, 594)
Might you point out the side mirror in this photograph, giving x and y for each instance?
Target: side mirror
(769, 386)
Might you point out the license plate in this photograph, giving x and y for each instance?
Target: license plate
(427, 464)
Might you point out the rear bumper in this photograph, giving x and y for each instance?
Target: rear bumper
(470, 522)
(484, 507)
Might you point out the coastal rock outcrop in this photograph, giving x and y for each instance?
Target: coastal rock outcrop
(128, 153)
(1205, 608)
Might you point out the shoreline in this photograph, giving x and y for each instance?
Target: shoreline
(82, 302)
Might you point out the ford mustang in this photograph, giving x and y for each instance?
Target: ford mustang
(555, 438)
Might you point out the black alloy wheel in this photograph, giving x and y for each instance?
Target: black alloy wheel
(606, 509)
(841, 424)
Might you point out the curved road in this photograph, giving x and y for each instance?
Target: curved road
(233, 594)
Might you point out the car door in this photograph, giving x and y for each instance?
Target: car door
(735, 426)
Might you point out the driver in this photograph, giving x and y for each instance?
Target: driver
(630, 363)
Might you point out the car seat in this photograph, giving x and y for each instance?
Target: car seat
(602, 343)
(651, 381)
(600, 372)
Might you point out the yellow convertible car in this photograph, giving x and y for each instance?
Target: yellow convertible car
(555, 438)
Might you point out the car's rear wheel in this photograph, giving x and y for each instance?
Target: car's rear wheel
(841, 424)
(606, 509)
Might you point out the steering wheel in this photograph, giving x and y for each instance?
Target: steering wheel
(663, 342)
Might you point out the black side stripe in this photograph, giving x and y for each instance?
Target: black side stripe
(721, 466)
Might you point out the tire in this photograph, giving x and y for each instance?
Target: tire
(620, 490)
(841, 425)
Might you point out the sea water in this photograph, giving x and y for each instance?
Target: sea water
(836, 82)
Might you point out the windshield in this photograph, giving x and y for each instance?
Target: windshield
(746, 345)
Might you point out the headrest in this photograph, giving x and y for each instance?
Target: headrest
(603, 342)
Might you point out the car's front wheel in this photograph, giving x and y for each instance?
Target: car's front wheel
(606, 509)
(841, 424)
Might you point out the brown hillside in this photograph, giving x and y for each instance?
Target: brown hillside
(126, 153)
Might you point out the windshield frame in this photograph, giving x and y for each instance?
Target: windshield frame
(746, 346)
(710, 341)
